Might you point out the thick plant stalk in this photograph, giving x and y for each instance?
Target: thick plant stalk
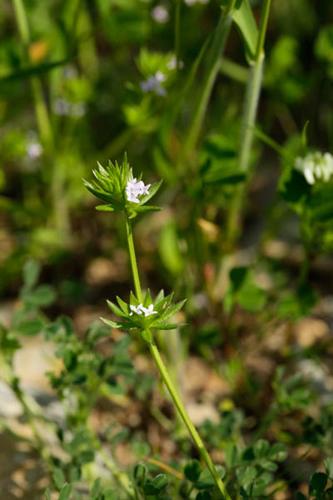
(168, 380)
(248, 123)
(218, 45)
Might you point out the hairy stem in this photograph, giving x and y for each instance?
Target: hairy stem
(134, 266)
(186, 419)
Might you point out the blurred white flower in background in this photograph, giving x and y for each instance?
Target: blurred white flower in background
(172, 63)
(315, 167)
(62, 107)
(34, 150)
(160, 14)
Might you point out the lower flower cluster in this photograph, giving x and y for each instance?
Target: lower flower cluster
(147, 314)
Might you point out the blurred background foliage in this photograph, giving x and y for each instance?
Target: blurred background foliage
(96, 62)
(91, 79)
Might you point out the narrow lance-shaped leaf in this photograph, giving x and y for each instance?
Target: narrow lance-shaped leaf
(245, 21)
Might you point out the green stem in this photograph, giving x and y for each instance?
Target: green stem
(186, 419)
(214, 64)
(166, 377)
(263, 28)
(42, 114)
(248, 124)
(134, 266)
(177, 33)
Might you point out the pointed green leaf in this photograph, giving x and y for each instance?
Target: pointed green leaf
(246, 24)
(104, 208)
(111, 323)
(33, 70)
(123, 305)
(152, 191)
(115, 309)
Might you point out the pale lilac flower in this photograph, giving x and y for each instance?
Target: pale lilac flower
(315, 167)
(153, 84)
(70, 72)
(160, 14)
(61, 107)
(172, 63)
(34, 150)
(141, 310)
(135, 188)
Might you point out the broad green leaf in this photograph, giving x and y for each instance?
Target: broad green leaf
(160, 481)
(318, 482)
(31, 271)
(58, 478)
(261, 448)
(43, 296)
(192, 470)
(31, 327)
(65, 492)
(139, 473)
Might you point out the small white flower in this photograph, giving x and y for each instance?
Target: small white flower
(141, 310)
(135, 188)
(315, 167)
(160, 14)
(34, 150)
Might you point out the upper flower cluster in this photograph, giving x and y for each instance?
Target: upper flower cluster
(116, 186)
(134, 189)
(316, 167)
